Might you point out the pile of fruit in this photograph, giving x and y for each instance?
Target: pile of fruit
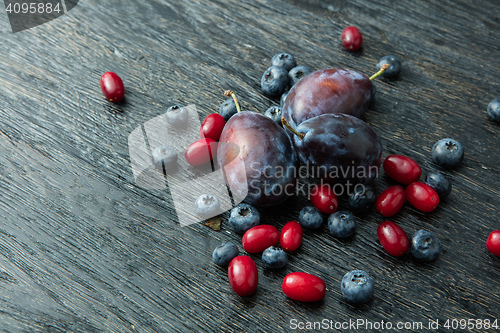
(317, 126)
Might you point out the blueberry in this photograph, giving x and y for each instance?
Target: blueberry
(394, 66)
(243, 217)
(274, 257)
(342, 224)
(283, 98)
(177, 116)
(227, 109)
(439, 182)
(274, 81)
(448, 153)
(310, 217)
(425, 245)
(165, 155)
(224, 253)
(362, 199)
(357, 286)
(494, 109)
(297, 73)
(285, 60)
(207, 206)
(274, 112)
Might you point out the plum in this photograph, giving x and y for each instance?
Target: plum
(328, 91)
(257, 159)
(338, 148)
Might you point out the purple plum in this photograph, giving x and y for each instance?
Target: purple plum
(257, 159)
(328, 91)
(337, 148)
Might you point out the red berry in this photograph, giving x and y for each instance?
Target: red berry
(291, 236)
(390, 201)
(323, 197)
(212, 126)
(201, 151)
(259, 238)
(402, 169)
(112, 87)
(304, 287)
(422, 197)
(351, 39)
(493, 243)
(393, 238)
(243, 276)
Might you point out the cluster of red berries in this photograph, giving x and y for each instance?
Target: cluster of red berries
(204, 150)
(420, 195)
(242, 271)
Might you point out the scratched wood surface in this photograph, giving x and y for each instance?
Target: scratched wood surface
(84, 249)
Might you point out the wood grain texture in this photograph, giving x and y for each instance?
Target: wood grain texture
(84, 249)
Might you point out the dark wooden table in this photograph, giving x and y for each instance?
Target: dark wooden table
(84, 249)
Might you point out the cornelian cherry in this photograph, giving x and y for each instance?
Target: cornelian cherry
(243, 276)
(493, 243)
(112, 87)
(259, 238)
(291, 236)
(201, 151)
(304, 287)
(402, 169)
(324, 198)
(212, 126)
(393, 239)
(351, 39)
(422, 197)
(390, 202)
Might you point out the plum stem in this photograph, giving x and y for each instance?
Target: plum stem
(294, 131)
(382, 70)
(231, 93)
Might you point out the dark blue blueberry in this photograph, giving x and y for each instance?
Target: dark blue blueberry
(439, 182)
(274, 112)
(310, 218)
(224, 253)
(362, 198)
(448, 153)
(177, 116)
(283, 98)
(166, 156)
(243, 217)
(285, 60)
(342, 224)
(394, 66)
(494, 109)
(227, 109)
(274, 257)
(425, 245)
(357, 286)
(274, 81)
(297, 73)
(207, 206)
